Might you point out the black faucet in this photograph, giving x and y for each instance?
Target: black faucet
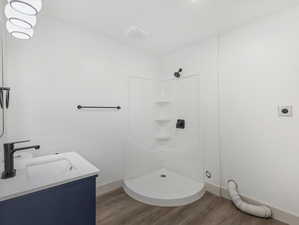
(9, 150)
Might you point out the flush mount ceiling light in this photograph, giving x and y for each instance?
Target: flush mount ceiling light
(27, 7)
(19, 32)
(19, 19)
(136, 33)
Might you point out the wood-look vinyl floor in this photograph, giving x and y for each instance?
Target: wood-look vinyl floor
(117, 208)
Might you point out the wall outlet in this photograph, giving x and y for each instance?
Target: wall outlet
(285, 111)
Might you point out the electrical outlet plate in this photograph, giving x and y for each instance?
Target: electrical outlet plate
(285, 111)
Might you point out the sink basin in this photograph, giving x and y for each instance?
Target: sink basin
(48, 170)
(40, 173)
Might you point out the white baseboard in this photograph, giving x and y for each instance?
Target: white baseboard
(278, 214)
(106, 188)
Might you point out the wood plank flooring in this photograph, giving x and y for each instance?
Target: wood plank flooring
(117, 208)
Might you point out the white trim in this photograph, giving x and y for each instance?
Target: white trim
(278, 214)
(212, 188)
(106, 188)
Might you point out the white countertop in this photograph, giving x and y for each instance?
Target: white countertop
(21, 184)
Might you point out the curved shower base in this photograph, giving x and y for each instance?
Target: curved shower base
(164, 188)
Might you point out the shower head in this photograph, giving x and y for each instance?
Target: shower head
(178, 74)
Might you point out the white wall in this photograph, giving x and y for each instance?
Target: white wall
(61, 67)
(258, 70)
(1, 83)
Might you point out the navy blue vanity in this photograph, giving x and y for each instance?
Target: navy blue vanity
(73, 203)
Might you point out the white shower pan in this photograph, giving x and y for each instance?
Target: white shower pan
(164, 188)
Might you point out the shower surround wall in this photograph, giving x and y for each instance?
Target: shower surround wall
(139, 152)
(156, 105)
(258, 70)
(169, 159)
(202, 60)
(184, 154)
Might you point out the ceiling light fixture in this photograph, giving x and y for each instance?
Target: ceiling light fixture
(27, 7)
(19, 19)
(19, 32)
(136, 33)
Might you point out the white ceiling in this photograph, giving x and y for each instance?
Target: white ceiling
(170, 24)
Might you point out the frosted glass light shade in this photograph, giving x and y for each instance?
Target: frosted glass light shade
(19, 19)
(27, 7)
(19, 32)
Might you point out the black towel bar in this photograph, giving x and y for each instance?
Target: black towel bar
(98, 107)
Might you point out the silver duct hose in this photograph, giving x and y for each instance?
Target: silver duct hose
(259, 211)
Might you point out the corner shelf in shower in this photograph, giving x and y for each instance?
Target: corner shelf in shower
(163, 149)
(163, 120)
(163, 101)
(163, 137)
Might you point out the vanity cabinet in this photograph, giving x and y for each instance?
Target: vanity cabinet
(73, 203)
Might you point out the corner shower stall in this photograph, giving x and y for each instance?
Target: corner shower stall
(164, 163)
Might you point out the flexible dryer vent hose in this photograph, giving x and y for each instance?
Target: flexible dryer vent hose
(259, 211)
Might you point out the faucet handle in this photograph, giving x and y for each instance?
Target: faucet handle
(18, 142)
